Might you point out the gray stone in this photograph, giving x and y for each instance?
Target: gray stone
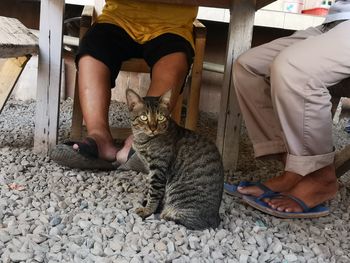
(4, 236)
(55, 220)
(291, 258)
(20, 256)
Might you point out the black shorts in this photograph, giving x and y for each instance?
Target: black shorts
(111, 45)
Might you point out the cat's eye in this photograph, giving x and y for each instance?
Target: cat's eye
(143, 117)
(161, 117)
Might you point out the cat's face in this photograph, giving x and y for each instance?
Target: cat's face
(150, 115)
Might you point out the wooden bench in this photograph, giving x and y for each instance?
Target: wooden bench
(17, 45)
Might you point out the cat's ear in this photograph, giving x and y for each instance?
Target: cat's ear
(165, 99)
(133, 99)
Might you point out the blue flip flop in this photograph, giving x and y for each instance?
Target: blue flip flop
(308, 212)
(231, 189)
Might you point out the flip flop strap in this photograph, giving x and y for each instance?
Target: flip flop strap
(272, 195)
(87, 147)
(299, 202)
(264, 188)
(259, 184)
(131, 152)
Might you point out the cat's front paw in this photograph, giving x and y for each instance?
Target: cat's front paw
(143, 212)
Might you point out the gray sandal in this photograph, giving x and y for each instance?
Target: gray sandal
(85, 158)
(133, 163)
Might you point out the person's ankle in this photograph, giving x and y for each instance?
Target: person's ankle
(122, 154)
(325, 175)
(106, 147)
(326, 180)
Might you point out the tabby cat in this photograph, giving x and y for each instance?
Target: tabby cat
(185, 179)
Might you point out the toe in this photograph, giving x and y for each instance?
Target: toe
(250, 190)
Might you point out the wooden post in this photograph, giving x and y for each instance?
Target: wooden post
(49, 75)
(240, 35)
(192, 113)
(86, 20)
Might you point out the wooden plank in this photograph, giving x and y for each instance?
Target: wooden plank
(135, 65)
(192, 113)
(80, 2)
(342, 161)
(77, 114)
(262, 3)
(9, 74)
(120, 133)
(86, 20)
(49, 75)
(239, 40)
(15, 39)
(210, 3)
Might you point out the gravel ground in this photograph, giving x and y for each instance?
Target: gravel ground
(50, 213)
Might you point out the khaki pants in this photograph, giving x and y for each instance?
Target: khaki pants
(282, 92)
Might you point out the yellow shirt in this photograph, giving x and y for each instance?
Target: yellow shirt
(145, 21)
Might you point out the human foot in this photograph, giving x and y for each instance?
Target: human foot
(128, 158)
(124, 153)
(313, 189)
(280, 183)
(84, 156)
(106, 150)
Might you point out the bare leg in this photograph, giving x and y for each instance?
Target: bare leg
(95, 96)
(168, 73)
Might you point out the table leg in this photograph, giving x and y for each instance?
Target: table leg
(239, 40)
(49, 75)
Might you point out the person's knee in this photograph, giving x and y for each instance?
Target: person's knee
(281, 65)
(174, 65)
(283, 73)
(239, 70)
(181, 66)
(243, 61)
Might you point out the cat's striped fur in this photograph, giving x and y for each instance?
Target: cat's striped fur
(186, 172)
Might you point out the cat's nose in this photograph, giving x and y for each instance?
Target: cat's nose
(153, 127)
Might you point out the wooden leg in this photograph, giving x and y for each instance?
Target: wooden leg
(77, 115)
(120, 133)
(342, 157)
(239, 40)
(9, 74)
(335, 102)
(342, 161)
(196, 79)
(49, 75)
(176, 113)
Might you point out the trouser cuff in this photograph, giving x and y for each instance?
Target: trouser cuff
(305, 165)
